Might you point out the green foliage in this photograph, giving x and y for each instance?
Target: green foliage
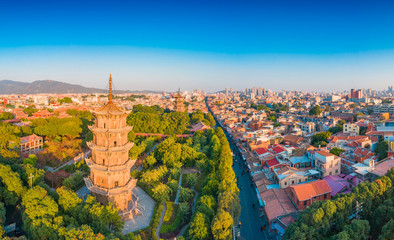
(336, 151)
(153, 119)
(199, 228)
(387, 231)
(64, 100)
(221, 225)
(30, 110)
(74, 181)
(320, 139)
(54, 127)
(6, 116)
(161, 192)
(32, 160)
(260, 107)
(381, 149)
(149, 161)
(186, 194)
(11, 185)
(191, 180)
(315, 111)
(31, 175)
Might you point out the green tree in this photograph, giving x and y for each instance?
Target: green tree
(221, 225)
(336, 151)
(381, 149)
(30, 110)
(387, 231)
(199, 228)
(320, 137)
(315, 111)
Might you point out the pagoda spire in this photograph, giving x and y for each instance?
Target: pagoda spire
(110, 89)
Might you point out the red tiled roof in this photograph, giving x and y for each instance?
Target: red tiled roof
(260, 151)
(277, 149)
(29, 138)
(312, 189)
(324, 153)
(272, 162)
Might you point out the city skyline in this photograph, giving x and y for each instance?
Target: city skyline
(155, 46)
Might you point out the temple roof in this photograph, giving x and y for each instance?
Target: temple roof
(110, 108)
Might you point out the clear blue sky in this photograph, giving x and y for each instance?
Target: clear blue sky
(163, 45)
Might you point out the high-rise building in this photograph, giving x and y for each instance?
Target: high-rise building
(110, 179)
(226, 91)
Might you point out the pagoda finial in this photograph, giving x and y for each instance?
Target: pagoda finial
(110, 89)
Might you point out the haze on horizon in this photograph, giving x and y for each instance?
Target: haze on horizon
(303, 45)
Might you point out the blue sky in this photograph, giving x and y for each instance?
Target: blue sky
(163, 45)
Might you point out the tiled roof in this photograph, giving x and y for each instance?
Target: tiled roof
(312, 189)
(337, 184)
(29, 138)
(277, 203)
(272, 162)
(277, 149)
(261, 151)
(324, 153)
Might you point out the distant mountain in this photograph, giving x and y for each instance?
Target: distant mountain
(51, 86)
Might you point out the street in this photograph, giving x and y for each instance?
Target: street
(250, 220)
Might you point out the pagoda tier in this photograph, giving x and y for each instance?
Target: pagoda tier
(110, 191)
(124, 148)
(116, 168)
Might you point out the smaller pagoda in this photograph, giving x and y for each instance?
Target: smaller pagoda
(179, 105)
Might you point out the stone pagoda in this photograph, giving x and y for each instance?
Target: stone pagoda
(179, 102)
(109, 179)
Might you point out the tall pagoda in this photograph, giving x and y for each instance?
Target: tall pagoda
(179, 102)
(109, 179)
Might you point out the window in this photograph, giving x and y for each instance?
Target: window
(325, 196)
(330, 173)
(115, 143)
(104, 125)
(336, 171)
(285, 183)
(116, 183)
(305, 203)
(299, 180)
(103, 161)
(292, 182)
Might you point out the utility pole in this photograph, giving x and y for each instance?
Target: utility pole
(31, 179)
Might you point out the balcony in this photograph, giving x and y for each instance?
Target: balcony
(110, 130)
(110, 191)
(115, 168)
(98, 148)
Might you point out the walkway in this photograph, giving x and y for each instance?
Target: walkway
(77, 158)
(162, 135)
(161, 220)
(140, 221)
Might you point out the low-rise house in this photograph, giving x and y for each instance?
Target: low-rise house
(279, 209)
(288, 176)
(303, 195)
(31, 144)
(327, 163)
(301, 162)
(351, 128)
(292, 140)
(198, 127)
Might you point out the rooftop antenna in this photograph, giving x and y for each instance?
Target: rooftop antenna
(110, 89)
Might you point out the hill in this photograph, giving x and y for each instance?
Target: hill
(50, 86)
